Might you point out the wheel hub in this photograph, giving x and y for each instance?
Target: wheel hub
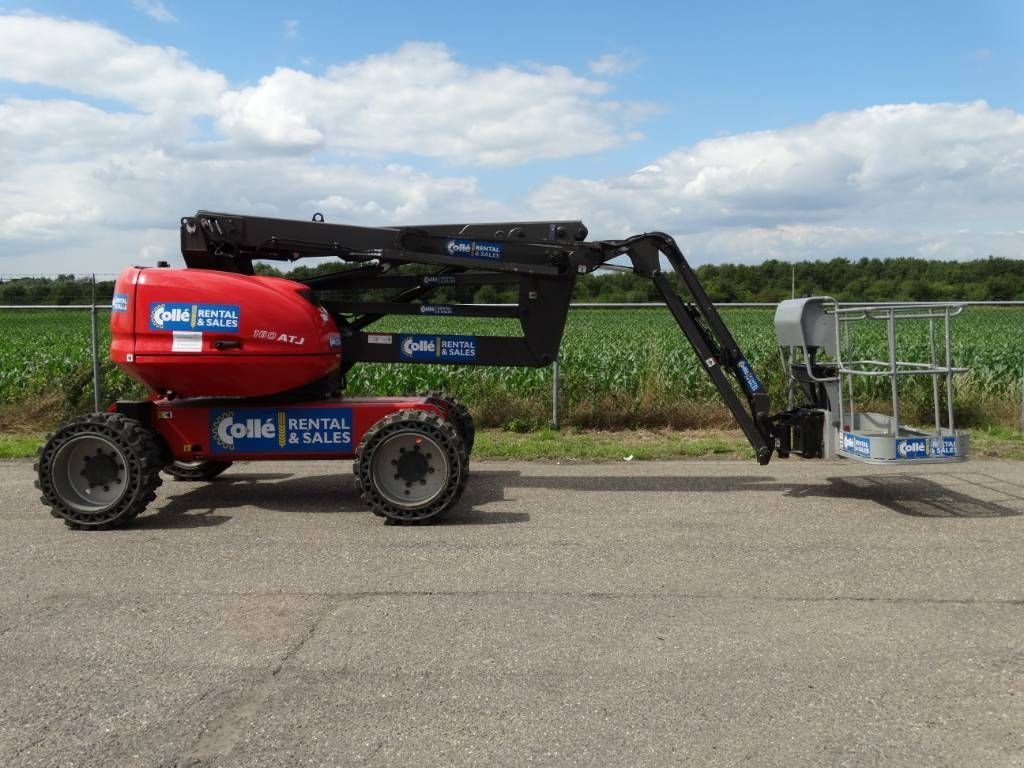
(89, 473)
(410, 469)
(102, 468)
(412, 465)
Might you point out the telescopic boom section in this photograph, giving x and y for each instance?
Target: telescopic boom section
(542, 258)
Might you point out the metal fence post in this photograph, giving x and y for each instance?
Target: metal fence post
(554, 394)
(1021, 420)
(96, 384)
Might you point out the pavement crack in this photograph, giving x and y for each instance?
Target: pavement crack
(609, 595)
(290, 653)
(31, 745)
(222, 734)
(674, 595)
(337, 597)
(373, 753)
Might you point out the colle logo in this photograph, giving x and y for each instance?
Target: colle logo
(185, 316)
(910, 449)
(856, 444)
(280, 430)
(474, 249)
(437, 348)
(753, 383)
(227, 430)
(412, 345)
(436, 309)
(459, 248)
(161, 315)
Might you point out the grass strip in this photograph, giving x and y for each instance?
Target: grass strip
(596, 445)
(20, 445)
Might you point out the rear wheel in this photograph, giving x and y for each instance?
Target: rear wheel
(410, 466)
(196, 470)
(99, 471)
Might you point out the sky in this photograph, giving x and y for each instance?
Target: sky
(749, 131)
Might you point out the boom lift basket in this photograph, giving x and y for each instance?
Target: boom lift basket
(807, 327)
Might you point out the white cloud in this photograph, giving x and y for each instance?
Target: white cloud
(420, 100)
(803, 242)
(93, 60)
(611, 64)
(84, 190)
(90, 187)
(62, 129)
(932, 166)
(416, 100)
(156, 10)
(73, 206)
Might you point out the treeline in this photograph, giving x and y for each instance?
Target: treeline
(62, 289)
(991, 279)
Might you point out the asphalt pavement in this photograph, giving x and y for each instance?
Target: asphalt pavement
(669, 613)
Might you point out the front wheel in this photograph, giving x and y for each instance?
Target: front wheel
(411, 466)
(458, 415)
(196, 470)
(99, 471)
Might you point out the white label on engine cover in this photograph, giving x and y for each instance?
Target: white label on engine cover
(186, 341)
(378, 338)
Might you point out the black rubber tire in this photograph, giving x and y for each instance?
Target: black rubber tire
(459, 415)
(439, 430)
(196, 470)
(142, 451)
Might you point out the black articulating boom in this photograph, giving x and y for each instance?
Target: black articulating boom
(543, 258)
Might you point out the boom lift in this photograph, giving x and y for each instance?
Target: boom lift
(247, 367)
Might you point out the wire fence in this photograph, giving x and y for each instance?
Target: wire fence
(623, 364)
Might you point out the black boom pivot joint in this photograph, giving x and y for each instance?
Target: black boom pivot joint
(543, 258)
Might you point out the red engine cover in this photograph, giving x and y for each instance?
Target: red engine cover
(202, 333)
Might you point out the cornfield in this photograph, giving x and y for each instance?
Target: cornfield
(619, 368)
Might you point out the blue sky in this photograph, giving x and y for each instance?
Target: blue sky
(795, 130)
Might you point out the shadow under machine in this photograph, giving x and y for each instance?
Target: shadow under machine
(241, 366)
